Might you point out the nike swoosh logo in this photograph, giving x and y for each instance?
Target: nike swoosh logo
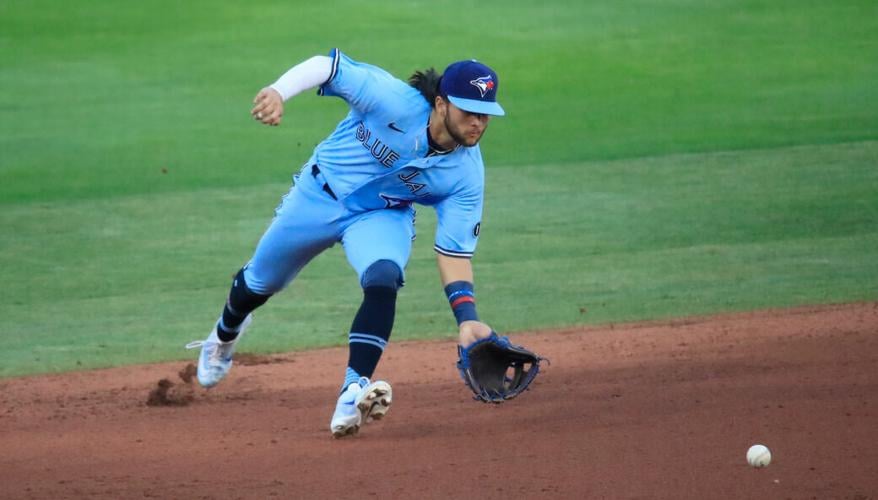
(349, 404)
(393, 126)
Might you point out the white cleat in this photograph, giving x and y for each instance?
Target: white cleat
(361, 403)
(215, 360)
(374, 401)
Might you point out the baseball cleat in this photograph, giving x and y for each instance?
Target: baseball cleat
(346, 419)
(374, 401)
(360, 403)
(215, 360)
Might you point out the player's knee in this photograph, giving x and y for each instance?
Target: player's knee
(242, 297)
(383, 273)
(262, 283)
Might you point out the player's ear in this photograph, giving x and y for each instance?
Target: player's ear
(441, 105)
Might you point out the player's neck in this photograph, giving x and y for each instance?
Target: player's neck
(438, 134)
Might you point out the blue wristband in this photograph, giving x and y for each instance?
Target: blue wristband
(462, 300)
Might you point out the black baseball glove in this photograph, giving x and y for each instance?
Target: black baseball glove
(497, 370)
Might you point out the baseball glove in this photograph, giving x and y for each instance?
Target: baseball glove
(497, 370)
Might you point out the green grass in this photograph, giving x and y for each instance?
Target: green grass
(97, 98)
(659, 159)
(133, 278)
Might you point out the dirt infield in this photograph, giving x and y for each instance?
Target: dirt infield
(659, 410)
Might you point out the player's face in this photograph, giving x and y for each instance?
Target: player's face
(464, 127)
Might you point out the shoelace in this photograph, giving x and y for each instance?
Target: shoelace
(214, 356)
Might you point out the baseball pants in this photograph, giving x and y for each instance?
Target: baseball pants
(309, 220)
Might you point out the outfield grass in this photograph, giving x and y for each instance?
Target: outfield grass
(98, 97)
(133, 278)
(659, 159)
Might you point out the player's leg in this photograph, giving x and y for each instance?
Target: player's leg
(377, 245)
(302, 228)
(305, 224)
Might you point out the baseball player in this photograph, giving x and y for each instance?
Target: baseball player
(401, 143)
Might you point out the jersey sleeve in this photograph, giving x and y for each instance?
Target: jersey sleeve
(459, 221)
(361, 85)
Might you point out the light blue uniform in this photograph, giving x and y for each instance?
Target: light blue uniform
(359, 185)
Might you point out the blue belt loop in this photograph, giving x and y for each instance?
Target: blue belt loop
(315, 171)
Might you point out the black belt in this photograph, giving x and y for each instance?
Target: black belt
(315, 171)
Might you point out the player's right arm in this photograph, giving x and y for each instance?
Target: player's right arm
(363, 86)
(268, 105)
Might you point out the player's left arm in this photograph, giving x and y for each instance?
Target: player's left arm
(457, 232)
(456, 274)
(458, 226)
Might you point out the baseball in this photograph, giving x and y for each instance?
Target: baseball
(758, 456)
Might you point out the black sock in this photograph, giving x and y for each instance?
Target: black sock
(371, 328)
(242, 301)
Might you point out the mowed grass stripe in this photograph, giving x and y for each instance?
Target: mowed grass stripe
(96, 98)
(132, 278)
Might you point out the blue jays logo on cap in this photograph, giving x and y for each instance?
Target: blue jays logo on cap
(484, 84)
(471, 86)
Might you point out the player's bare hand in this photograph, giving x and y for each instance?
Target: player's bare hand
(470, 331)
(268, 107)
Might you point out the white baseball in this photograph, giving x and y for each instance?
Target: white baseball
(758, 456)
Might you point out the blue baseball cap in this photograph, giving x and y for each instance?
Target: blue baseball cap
(471, 86)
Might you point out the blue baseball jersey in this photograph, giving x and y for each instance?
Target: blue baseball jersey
(378, 157)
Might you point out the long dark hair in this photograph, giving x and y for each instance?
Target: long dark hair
(427, 83)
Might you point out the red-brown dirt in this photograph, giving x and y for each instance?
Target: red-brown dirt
(657, 410)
